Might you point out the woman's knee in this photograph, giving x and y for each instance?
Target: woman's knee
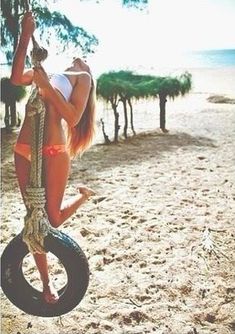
(54, 219)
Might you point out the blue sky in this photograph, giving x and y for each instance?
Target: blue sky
(162, 31)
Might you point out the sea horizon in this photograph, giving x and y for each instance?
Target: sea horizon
(194, 59)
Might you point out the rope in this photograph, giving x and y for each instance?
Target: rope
(36, 226)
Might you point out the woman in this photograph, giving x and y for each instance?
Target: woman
(69, 97)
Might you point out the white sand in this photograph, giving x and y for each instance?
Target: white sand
(149, 272)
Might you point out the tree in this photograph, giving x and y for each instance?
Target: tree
(121, 86)
(126, 86)
(171, 87)
(108, 91)
(9, 94)
(48, 23)
(135, 3)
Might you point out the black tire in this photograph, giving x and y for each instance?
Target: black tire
(28, 299)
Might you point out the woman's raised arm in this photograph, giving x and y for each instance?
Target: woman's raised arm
(18, 75)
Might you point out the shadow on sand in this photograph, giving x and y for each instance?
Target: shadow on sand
(143, 147)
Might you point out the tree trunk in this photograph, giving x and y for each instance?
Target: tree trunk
(18, 120)
(14, 123)
(125, 118)
(116, 125)
(106, 138)
(131, 113)
(16, 24)
(162, 104)
(13, 114)
(116, 121)
(7, 116)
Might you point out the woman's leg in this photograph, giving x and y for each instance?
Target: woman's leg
(22, 167)
(50, 294)
(56, 171)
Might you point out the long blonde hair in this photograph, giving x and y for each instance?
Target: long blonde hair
(80, 137)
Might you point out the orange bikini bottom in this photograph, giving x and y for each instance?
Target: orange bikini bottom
(48, 150)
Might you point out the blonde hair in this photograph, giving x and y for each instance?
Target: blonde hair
(80, 137)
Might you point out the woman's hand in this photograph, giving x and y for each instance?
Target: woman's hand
(40, 78)
(28, 24)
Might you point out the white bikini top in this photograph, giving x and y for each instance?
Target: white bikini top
(62, 83)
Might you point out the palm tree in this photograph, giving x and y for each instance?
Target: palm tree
(9, 94)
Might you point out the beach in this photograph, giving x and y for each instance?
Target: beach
(144, 232)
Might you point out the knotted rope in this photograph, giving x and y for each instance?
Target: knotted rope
(36, 225)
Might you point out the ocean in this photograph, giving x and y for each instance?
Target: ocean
(211, 58)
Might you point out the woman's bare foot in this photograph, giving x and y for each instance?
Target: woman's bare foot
(86, 191)
(50, 294)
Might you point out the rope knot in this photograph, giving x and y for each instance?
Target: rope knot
(35, 198)
(36, 225)
(36, 228)
(36, 103)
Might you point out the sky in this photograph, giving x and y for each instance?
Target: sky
(132, 38)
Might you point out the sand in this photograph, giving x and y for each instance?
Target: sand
(143, 231)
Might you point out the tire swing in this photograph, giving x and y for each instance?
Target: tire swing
(38, 236)
(25, 296)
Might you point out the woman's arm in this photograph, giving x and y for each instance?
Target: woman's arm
(18, 76)
(71, 111)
